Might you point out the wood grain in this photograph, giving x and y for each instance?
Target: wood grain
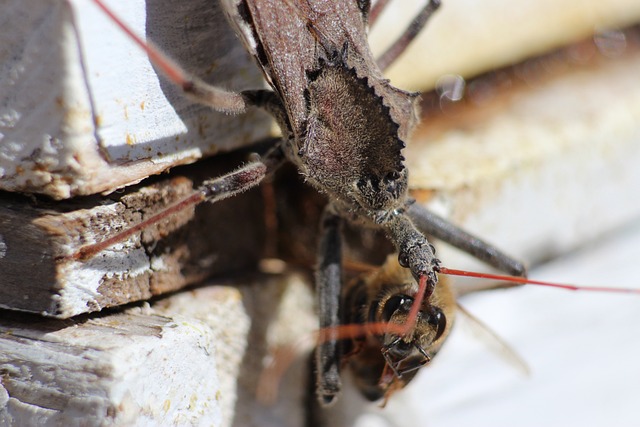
(39, 237)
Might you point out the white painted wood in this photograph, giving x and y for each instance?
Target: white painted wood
(132, 368)
(39, 274)
(192, 359)
(82, 109)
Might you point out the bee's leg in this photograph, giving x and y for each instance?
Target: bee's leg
(438, 227)
(328, 287)
(408, 35)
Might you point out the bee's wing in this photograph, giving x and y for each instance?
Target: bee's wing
(494, 342)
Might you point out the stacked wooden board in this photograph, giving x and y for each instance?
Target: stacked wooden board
(539, 159)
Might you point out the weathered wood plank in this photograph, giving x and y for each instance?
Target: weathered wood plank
(130, 368)
(85, 112)
(39, 237)
(190, 359)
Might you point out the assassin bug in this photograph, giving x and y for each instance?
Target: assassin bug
(344, 127)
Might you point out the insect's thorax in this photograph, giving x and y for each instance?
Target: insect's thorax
(345, 125)
(350, 145)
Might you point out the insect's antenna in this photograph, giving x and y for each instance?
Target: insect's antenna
(525, 281)
(197, 89)
(284, 356)
(412, 318)
(89, 251)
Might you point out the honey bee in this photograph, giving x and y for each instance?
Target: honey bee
(383, 363)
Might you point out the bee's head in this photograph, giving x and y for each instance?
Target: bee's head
(405, 354)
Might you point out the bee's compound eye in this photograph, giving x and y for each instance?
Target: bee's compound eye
(403, 259)
(439, 321)
(395, 303)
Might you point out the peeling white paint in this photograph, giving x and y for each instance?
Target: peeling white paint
(83, 279)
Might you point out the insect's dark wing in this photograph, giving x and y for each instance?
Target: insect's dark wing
(276, 33)
(342, 22)
(288, 38)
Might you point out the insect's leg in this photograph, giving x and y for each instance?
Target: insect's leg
(269, 102)
(328, 288)
(409, 34)
(213, 190)
(242, 179)
(414, 251)
(438, 227)
(376, 10)
(193, 87)
(315, 414)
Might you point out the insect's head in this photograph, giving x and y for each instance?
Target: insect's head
(380, 191)
(404, 345)
(404, 354)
